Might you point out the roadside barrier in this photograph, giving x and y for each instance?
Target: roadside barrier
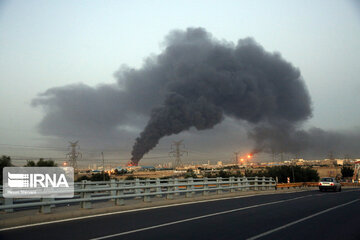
(87, 192)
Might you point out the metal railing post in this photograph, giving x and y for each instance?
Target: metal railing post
(247, 184)
(8, 201)
(147, 191)
(218, 185)
(112, 185)
(269, 183)
(232, 179)
(206, 187)
(274, 182)
(263, 183)
(46, 208)
(84, 185)
(170, 188)
(176, 187)
(189, 187)
(120, 192)
(137, 184)
(256, 184)
(158, 187)
(239, 184)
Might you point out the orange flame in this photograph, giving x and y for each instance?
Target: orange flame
(131, 164)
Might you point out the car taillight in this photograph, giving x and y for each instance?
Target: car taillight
(320, 184)
(331, 184)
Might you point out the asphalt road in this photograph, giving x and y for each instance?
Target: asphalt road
(300, 215)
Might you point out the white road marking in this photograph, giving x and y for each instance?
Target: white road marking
(300, 220)
(139, 209)
(196, 218)
(150, 208)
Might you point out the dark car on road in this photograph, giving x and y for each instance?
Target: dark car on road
(329, 183)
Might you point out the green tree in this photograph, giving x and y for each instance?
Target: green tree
(99, 177)
(79, 179)
(223, 174)
(237, 174)
(190, 174)
(120, 172)
(46, 163)
(131, 177)
(347, 171)
(94, 177)
(41, 163)
(301, 174)
(250, 173)
(30, 163)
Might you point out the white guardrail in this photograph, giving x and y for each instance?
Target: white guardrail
(86, 192)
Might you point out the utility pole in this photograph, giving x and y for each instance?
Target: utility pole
(273, 155)
(177, 152)
(103, 164)
(292, 167)
(73, 155)
(293, 162)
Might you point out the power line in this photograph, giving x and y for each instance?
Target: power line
(34, 147)
(200, 153)
(34, 158)
(85, 159)
(62, 148)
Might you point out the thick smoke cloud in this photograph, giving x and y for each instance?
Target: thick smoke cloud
(196, 81)
(313, 142)
(208, 79)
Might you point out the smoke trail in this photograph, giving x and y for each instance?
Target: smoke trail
(206, 80)
(195, 82)
(313, 142)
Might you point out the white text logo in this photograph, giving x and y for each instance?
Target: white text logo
(36, 180)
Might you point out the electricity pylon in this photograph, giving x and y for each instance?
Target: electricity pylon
(177, 152)
(73, 155)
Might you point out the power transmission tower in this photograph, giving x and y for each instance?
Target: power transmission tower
(73, 155)
(331, 156)
(177, 152)
(236, 157)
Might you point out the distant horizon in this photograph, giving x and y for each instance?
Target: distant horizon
(114, 162)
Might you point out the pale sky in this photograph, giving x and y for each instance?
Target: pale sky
(45, 44)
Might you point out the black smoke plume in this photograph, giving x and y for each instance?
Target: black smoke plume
(207, 79)
(306, 143)
(195, 82)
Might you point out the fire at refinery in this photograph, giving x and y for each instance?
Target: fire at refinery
(244, 159)
(131, 164)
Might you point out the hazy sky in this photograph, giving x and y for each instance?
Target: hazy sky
(45, 44)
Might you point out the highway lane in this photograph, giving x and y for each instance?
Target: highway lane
(237, 218)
